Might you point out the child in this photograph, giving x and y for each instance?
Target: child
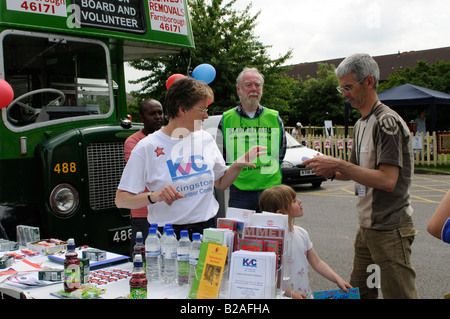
(282, 199)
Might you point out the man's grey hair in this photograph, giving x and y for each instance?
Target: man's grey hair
(245, 70)
(362, 65)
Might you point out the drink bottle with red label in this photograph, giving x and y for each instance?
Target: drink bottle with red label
(138, 281)
(72, 271)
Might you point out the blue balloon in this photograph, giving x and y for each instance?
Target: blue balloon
(204, 72)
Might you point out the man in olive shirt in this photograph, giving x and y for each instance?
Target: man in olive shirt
(382, 166)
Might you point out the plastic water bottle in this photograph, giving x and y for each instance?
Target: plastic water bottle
(153, 256)
(184, 245)
(163, 239)
(138, 282)
(194, 251)
(139, 247)
(170, 257)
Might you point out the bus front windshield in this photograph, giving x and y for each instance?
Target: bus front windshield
(54, 79)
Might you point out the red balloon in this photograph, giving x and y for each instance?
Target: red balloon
(173, 78)
(6, 94)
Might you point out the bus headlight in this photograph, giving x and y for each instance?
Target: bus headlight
(64, 200)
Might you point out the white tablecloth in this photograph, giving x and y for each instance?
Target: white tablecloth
(119, 289)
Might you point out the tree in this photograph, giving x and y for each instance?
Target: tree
(320, 100)
(435, 77)
(223, 38)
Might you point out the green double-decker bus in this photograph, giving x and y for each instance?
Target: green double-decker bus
(61, 138)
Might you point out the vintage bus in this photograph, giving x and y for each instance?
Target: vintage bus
(61, 138)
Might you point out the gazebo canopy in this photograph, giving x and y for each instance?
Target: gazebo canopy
(408, 94)
(413, 95)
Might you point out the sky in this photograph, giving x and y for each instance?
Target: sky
(318, 30)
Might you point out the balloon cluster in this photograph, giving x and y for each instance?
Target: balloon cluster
(204, 72)
(6, 94)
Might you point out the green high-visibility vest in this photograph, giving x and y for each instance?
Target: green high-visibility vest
(240, 134)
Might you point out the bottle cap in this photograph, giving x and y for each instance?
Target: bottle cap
(196, 236)
(152, 231)
(169, 231)
(138, 260)
(71, 244)
(139, 238)
(184, 233)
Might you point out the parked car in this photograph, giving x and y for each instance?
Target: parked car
(291, 168)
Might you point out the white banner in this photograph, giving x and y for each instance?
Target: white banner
(48, 7)
(168, 16)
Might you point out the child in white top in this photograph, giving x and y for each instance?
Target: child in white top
(282, 199)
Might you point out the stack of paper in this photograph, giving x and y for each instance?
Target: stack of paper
(252, 275)
(234, 225)
(271, 237)
(273, 227)
(225, 237)
(241, 214)
(222, 236)
(270, 220)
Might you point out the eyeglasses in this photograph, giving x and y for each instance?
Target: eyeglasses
(347, 89)
(204, 111)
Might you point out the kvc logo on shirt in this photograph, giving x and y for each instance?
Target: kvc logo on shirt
(180, 169)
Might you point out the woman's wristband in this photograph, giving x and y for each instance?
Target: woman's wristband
(150, 199)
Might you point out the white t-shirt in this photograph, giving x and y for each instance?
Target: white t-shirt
(301, 243)
(191, 165)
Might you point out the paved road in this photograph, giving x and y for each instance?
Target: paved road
(330, 218)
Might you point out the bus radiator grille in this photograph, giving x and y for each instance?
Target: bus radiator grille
(105, 165)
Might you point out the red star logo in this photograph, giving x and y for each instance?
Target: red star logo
(159, 151)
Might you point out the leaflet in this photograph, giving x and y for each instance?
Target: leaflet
(211, 262)
(252, 275)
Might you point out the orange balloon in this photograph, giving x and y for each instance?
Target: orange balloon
(6, 94)
(173, 78)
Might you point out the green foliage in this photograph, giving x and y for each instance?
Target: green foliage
(133, 111)
(320, 100)
(282, 93)
(223, 38)
(435, 77)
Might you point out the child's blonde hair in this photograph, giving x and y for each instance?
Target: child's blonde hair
(278, 198)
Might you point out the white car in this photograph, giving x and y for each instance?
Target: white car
(291, 168)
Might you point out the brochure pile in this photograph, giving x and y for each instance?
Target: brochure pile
(252, 275)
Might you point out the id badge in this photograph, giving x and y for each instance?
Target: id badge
(360, 190)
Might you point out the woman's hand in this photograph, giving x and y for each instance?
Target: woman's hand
(129, 200)
(168, 194)
(244, 161)
(247, 159)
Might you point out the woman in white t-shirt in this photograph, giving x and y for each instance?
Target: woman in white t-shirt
(282, 199)
(180, 164)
